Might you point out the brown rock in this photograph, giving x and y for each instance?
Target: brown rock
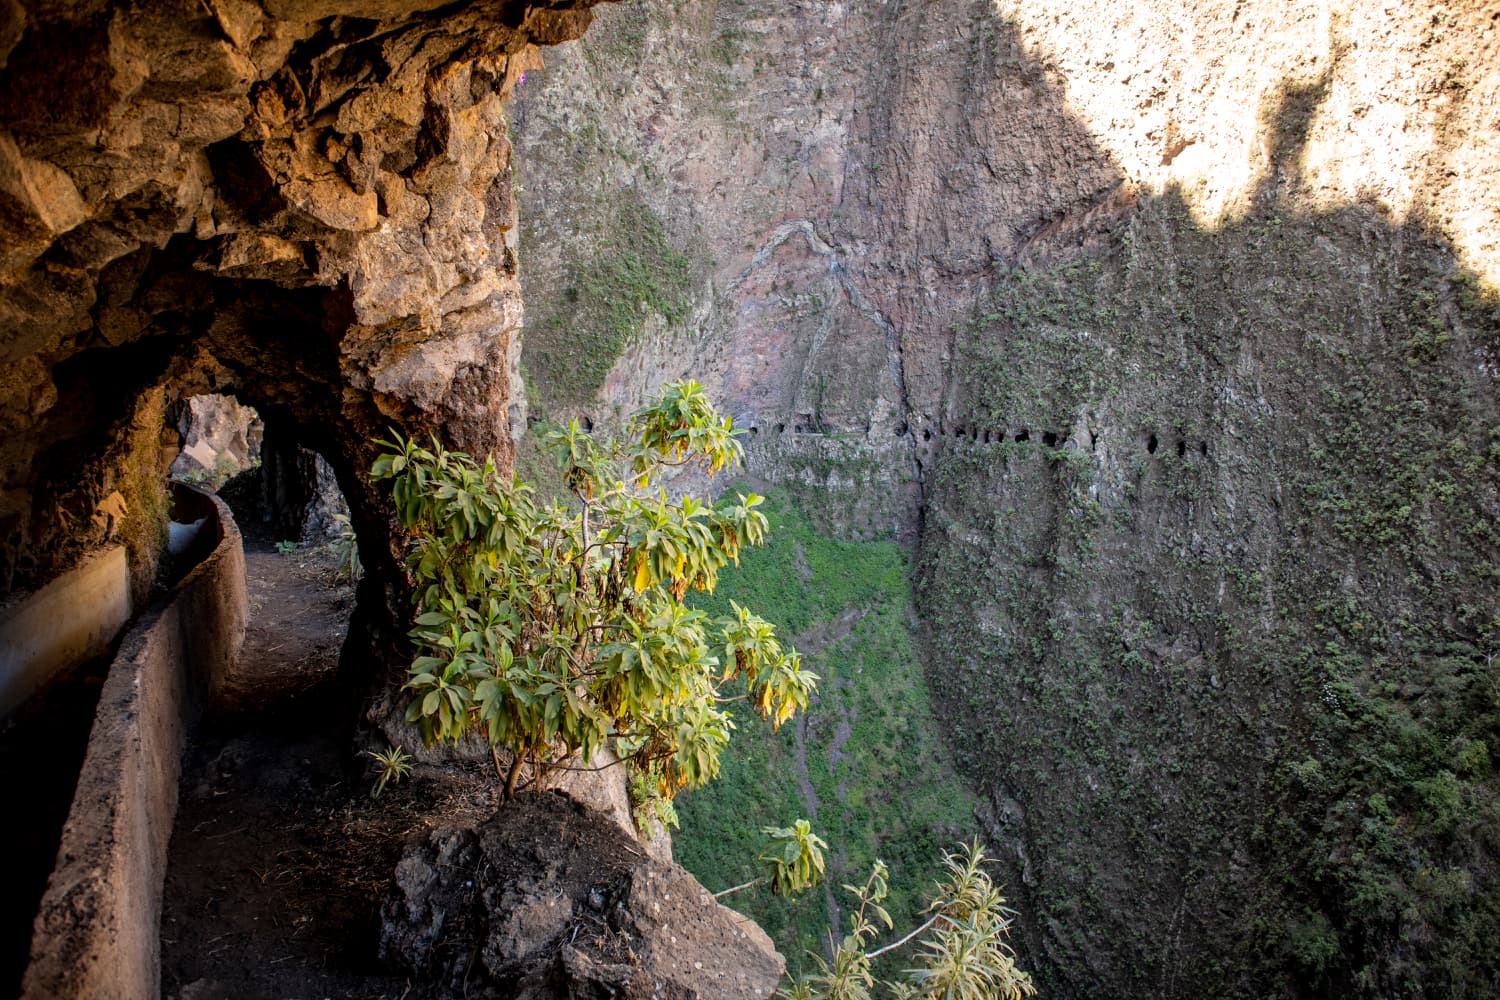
(549, 899)
(38, 203)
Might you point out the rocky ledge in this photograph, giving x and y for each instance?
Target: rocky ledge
(543, 900)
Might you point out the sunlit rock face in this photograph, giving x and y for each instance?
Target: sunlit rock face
(1400, 102)
(1169, 331)
(306, 204)
(847, 179)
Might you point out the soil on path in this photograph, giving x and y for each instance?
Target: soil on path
(279, 857)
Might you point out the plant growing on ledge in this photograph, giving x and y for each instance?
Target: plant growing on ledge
(555, 632)
(793, 860)
(961, 949)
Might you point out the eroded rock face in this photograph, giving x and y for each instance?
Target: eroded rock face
(216, 439)
(1171, 331)
(306, 204)
(545, 901)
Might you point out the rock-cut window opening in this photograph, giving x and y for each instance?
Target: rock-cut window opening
(301, 553)
(270, 762)
(212, 438)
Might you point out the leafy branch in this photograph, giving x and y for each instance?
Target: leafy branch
(555, 632)
(963, 955)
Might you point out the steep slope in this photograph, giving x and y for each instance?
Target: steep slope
(1171, 334)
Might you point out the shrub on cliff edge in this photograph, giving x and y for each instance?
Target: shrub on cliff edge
(555, 631)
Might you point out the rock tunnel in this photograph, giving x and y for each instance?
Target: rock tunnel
(305, 208)
(305, 205)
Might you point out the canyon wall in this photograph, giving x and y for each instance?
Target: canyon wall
(1168, 334)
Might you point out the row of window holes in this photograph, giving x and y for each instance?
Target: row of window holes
(1049, 438)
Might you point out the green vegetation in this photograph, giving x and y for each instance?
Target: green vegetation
(1257, 659)
(794, 859)
(555, 633)
(1392, 823)
(226, 467)
(394, 763)
(638, 272)
(865, 754)
(962, 951)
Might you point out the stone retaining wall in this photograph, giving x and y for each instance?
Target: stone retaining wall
(97, 931)
(72, 619)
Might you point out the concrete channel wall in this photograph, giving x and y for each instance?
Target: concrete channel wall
(97, 934)
(72, 619)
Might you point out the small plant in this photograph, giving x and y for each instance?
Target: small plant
(794, 861)
(286, 547)
(962, 954)
(395, 764)
(648, 809)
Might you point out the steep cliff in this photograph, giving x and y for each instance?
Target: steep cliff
(1170, 333)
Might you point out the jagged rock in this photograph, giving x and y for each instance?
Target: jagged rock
(219, 438)
(549, 899)
(306, 204)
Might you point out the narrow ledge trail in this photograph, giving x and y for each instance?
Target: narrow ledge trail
(279, 856)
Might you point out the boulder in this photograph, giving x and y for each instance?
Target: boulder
(549, 899)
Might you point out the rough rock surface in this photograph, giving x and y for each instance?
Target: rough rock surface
(307, 204)
(217, 438)
(1171, 332)
(543, 901)
(851, 179)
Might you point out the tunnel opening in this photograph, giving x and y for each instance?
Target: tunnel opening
(272, 761)
(301, 550)
(211, 438)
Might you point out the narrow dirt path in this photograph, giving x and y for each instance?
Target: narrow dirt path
(279, 857)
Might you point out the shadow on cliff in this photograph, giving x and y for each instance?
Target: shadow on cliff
(1201, 502)
(1229, 685)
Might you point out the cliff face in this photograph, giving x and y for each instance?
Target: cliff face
(1171, 334)
(306, 204)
